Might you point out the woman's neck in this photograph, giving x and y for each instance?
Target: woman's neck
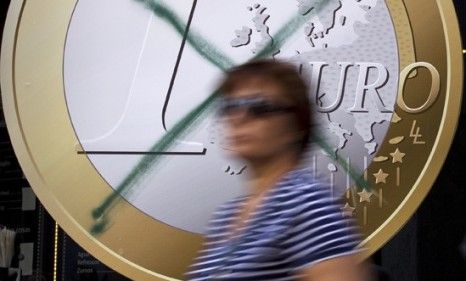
(266, 172)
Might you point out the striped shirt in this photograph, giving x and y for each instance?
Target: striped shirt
(298, 224)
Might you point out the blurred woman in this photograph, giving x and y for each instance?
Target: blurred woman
(288, 227)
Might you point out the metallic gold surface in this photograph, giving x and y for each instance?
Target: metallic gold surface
(403, 32)
(438, 123)
(44, 141)
(145, 249)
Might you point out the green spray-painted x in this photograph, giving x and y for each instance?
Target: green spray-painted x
(194, 117)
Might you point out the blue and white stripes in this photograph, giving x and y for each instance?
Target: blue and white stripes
(297, 225)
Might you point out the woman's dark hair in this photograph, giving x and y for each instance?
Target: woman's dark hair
(284, 75)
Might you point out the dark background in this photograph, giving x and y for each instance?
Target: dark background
(425, 249)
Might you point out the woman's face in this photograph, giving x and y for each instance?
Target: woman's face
(259, 121)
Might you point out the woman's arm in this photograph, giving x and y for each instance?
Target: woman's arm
(323, 244)
(344, 268)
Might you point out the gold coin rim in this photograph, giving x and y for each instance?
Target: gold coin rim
(108, 253)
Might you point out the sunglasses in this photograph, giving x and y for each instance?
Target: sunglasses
(255, 107)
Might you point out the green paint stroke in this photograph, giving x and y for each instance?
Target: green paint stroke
(361, 183)
(148, 161)
(201, 45)
(195, 116)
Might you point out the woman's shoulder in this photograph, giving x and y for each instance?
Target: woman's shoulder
(303, 183)
(228, 207)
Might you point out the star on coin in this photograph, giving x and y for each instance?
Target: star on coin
(397, 156)
(347, 210)
(380, 176)
(365, 196)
